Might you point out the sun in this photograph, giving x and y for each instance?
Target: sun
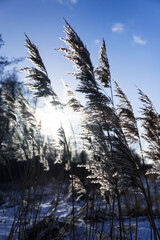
(50, 118)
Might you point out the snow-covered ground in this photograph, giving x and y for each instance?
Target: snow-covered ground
(20, 211)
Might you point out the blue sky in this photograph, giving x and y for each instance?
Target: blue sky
(131, 29)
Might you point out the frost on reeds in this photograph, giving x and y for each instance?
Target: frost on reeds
(108, 131)
(101, 126)
(150, 122)
(38, 77)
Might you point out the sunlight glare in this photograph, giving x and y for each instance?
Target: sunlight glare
(52, 119)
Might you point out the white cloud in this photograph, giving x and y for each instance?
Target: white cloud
(60, 1)
(96, 41)
(118, 28)
(63, 2)
(74, 1)
(67, 1)
(139, 40)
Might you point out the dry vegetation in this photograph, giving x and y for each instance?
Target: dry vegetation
(112, 183)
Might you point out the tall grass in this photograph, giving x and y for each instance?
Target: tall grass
(108, 134)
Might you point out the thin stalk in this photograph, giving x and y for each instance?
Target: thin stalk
(150, 232)
(120, 215)
(136, 205)
(73, 209)
(113, 207)
(87, 210)
(97, 217)
(90, 228)
(104, 217)
(129, 217)
(93, 211)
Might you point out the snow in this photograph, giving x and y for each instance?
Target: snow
(51, 200)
